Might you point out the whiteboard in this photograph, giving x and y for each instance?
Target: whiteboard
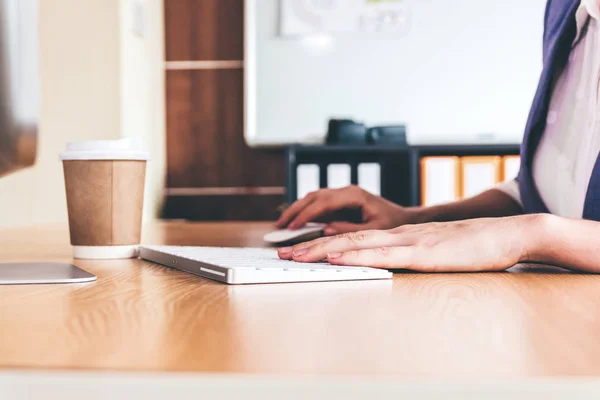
(463, 71)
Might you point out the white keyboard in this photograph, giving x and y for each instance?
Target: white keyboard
(252, 265)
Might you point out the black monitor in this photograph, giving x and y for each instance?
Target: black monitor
(19, 83)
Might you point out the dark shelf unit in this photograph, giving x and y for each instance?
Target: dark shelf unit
(400, 165)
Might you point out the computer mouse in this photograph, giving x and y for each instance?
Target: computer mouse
(310, 231)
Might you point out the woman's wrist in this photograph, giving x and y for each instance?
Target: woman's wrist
(417, 215)
(537, 236)
(565, 242)
(489, 204)
(422, 215)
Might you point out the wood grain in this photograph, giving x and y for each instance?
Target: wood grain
(198, 30)
(206, 148)
(140, 316)
(205, 143)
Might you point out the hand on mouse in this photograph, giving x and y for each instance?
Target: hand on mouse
(375, 211)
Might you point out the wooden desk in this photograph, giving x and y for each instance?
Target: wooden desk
(140, 316)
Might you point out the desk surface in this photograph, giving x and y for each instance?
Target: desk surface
(144, 317)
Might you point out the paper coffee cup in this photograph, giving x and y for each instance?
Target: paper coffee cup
(104, 183)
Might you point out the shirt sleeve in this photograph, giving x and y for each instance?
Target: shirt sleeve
(510, 188)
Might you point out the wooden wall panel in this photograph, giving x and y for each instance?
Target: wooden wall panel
(205, 143)
(211, 173)
(204, 30)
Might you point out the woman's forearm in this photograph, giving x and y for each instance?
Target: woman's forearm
(491, 203)
(547, 239)
(569, 243)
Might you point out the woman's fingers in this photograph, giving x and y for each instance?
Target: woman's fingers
(285, 253)
(323, 205)
(294, 209)
(313, 252)
(379, 257)
(319, 203)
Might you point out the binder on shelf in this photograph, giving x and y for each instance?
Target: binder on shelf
(307, 179)
(440, 180)
(479, 174)
(338, 176)
(510, 167)
(369, 177)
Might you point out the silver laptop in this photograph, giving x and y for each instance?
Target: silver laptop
(252, 265)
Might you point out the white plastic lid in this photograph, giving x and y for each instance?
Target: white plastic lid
(122, 149)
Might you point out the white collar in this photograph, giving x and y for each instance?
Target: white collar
(592, 7)
(587, 9)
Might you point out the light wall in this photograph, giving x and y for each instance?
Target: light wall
(143, 88)
(90, 90)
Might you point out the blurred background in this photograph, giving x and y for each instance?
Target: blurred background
(218, 88)
(102, 77)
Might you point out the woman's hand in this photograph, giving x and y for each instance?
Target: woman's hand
(375, 211)
(486, 244)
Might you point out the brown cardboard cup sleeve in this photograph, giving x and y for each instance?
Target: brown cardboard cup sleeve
(104, 182)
